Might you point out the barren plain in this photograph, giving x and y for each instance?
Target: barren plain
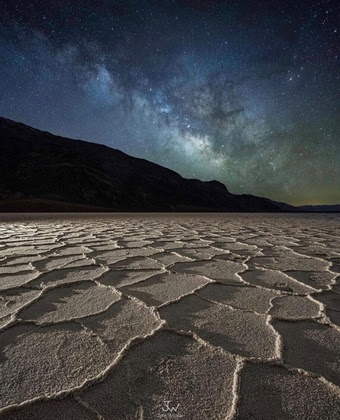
(192, 316)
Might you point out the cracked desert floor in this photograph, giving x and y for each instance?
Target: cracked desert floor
(192, 316)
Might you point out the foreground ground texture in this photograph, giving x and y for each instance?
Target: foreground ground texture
(193, 316)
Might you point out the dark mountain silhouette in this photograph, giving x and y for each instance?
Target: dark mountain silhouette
(318, 208)
(43, 172)
(326, 208)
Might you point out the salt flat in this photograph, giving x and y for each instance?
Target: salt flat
(130, 316)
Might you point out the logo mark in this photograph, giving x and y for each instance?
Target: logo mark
(167, 407)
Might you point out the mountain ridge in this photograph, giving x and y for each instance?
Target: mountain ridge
(47, 171)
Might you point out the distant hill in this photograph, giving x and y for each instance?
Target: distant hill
(331, 208)
(43, 172)
(283, 206)
(326, 208)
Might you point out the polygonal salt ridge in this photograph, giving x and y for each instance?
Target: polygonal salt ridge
(134, 243)
(125, 277)
(68, 275)
(54, 261)
(7, 321)
(60, 358)
(138, 263)
(12, 281)
(26, 259)
(259, 241)
(14, 300)
(123, 321)
(103, 246)
(167, 244)
(289, 263)
(335, 264)
(16, 268)
(259, 262)
(247, 253)
(285, 242)
(329, 298)
(317, 279)
(235, 246)
(47, 407)
(196, 243)
(298, 394)
(279, 251)
(293, 307)
(70, 302)
(329, 309)
(336, 287)
(79, 241)
(237, 331)
(249, 298)
(276, 280)
(322, 251)
(222, 270)
(170, 258)
(165, 288)
(241, 257)
(311, 345)
(120, 254)
(76, 234)
(27, 241)
(170, 365)
(332, 318)
(205, 253)
(19, 251)
(71, 250)
(81, 263)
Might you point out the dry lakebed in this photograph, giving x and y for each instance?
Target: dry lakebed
(192, 316)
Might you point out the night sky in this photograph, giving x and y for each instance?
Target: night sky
(244, 92)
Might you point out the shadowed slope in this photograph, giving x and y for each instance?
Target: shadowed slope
(37, 165)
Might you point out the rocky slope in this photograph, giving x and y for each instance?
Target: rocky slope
(40, 167)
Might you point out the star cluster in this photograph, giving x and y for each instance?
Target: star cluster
(242, 92)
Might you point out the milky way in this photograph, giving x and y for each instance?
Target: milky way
(242, 92)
